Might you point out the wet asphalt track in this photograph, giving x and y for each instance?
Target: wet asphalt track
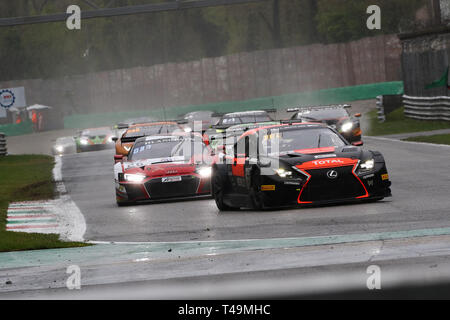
(420, 174)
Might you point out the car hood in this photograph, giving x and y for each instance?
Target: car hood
(161, 166)
(298, 157)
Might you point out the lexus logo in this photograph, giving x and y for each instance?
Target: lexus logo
(332, 174)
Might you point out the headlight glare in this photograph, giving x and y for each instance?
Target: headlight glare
(282, 173)
(367, 165)
(84, 141)
(205, 172)
(346, 127)
(134, 177)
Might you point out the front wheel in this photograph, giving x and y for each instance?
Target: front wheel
(218, 188)
(255, 191)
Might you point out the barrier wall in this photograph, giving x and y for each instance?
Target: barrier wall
(237, 77)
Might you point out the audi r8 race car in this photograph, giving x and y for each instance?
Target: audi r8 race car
(297, 164)
(164, 167)
(336, 117)
(95, 139)
(125, 142)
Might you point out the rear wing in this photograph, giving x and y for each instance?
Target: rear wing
(297, 109)
(130, 139)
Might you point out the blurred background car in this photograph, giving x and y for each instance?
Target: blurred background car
(64, 145)
(95, 139)
(124, 143)
(207, 119)
(230, 119)
(337, 117)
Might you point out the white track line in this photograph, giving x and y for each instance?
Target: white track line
(69, 214)
(444, 146)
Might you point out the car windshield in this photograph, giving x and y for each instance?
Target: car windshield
(287, 140)
(323, 114)
(166, 148)
(150, 130)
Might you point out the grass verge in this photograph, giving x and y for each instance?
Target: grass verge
(396, 122)
(27, 178)
(438, 138)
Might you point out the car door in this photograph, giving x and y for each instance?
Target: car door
(238, 163)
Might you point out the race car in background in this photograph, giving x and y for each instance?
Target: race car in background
(124, 143)
(64, 145)
(122, 126)
(230, 135)
(164, 167)
(244, 117)
(206, 118)
(95, 139)
(336, 116)
(297, 164)
(227, 120)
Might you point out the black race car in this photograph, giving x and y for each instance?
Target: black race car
(336, 116)
(231, 119)
(204, 119)
(296, 164)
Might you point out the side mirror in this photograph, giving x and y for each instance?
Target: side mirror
(357, 115)
(114, 139)
(118, 158)
(358, 143)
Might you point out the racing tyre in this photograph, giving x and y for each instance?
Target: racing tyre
(218, 186)
(255, 191)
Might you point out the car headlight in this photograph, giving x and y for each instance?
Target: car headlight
(59, 148)
(134, 177)
(205, 172)
(282, 173)
(346, 127)
(367, 165)
(84, 141)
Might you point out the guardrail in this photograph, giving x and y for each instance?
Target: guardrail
(386, 104)
(380, 112)
(427, 108)
(3, 150)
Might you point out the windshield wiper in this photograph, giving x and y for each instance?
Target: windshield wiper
(320, 137)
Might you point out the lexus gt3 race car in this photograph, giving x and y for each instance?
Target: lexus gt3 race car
(127, 139)
(164, 167)
(336, 117)
(297, 165)
(95, 139)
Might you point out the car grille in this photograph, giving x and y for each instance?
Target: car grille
(322, 188)
(187, 186)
